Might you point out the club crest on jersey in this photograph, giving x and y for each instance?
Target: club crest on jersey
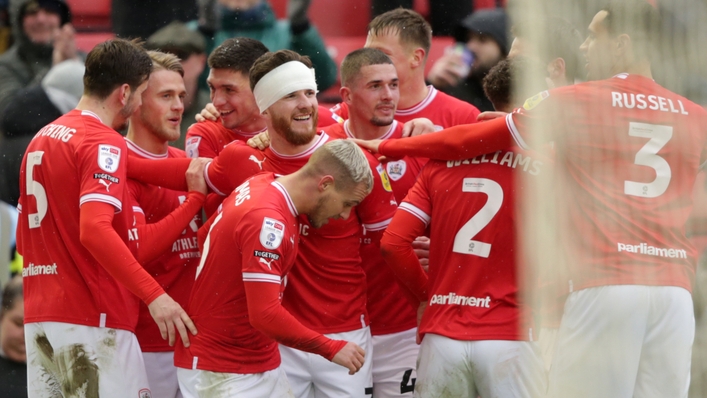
(108, 157)
(192, 147)
(144, 393)
(396, 170)
(384, 178)
(535, 100)
(271, 233)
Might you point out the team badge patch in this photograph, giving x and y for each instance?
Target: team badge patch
(144, 393)
(535, 100)
(396, 170)
(192, 147)
(271, 233)
(108, 157)
(384, 178)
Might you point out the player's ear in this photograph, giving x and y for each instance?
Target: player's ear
(345, 95)
(326, 182)
(418, 57)
(623, 44)
(124, 93)
(556, 68)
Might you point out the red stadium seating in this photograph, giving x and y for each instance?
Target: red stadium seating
(91, 15)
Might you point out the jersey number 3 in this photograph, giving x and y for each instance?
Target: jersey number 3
(464, 242)
(36, 189)
(648, 156)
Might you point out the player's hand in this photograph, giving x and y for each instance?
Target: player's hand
(420, 312)
(371, 145)
(195, 175)
(260, 141)
(446, 71)
(488, 115)
(64, 44)
(168, 315)
(418, 126)
(208, 113)
(351, 357)
(421, 245)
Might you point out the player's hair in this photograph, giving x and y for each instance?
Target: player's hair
(636, 18)
(504, 87)
(237, 54)
(411, 27)
(113, 63)
(343, 160)
(270, 61)
(558, 39)
(11, 295)
(355, 60)
(165, 61)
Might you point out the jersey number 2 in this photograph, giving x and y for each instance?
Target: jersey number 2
(464, 242)
(648, 156)
(36, 189)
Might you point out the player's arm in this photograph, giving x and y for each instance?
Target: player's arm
(166, 173)
(397, 250)
(455, 143)
(378, 207)
(197, 143)
(235, 164)
(102, 241)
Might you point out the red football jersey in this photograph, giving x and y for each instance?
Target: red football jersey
(74, 160)
(207, 139)
(174, 270)
(252, 240)
(628, 152)
(470, 207)
(442, 109)
(326, 291)
(388, 313)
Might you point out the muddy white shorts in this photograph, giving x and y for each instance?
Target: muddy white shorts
(312, 376)
(485, 368)
(75, 361)
(195, 383)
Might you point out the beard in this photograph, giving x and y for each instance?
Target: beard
(283, 126)
(158, 129)
(316, 217)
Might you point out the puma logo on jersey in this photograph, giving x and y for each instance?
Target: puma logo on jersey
(258, 161)
(106, 184)
(266, 262)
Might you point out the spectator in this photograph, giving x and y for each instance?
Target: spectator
(190, 46)
(43, 37)
(30, 110)
(256, 19)
(13, 360)
(484, 35)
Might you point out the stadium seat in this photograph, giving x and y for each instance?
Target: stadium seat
(91, 15)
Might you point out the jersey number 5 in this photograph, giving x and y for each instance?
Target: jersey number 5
(648, 156)
(464, 242)
(36, 189)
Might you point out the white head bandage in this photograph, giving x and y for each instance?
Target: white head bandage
(285, 79)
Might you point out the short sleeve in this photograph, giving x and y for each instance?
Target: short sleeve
(102, 170)
(267, 244)
(378, 208)
(197, 143)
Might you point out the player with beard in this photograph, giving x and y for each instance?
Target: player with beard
(82, 283)
(370, 90)
(154, 124)
(250, 247)
(628, 321)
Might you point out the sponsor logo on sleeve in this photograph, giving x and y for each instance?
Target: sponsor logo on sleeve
(256, 160)
(108, 157)
(264, 254)
(384, 178)
(192, 147)
(271, 233)
(396, 170)
(104, 176)
(535, 100)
